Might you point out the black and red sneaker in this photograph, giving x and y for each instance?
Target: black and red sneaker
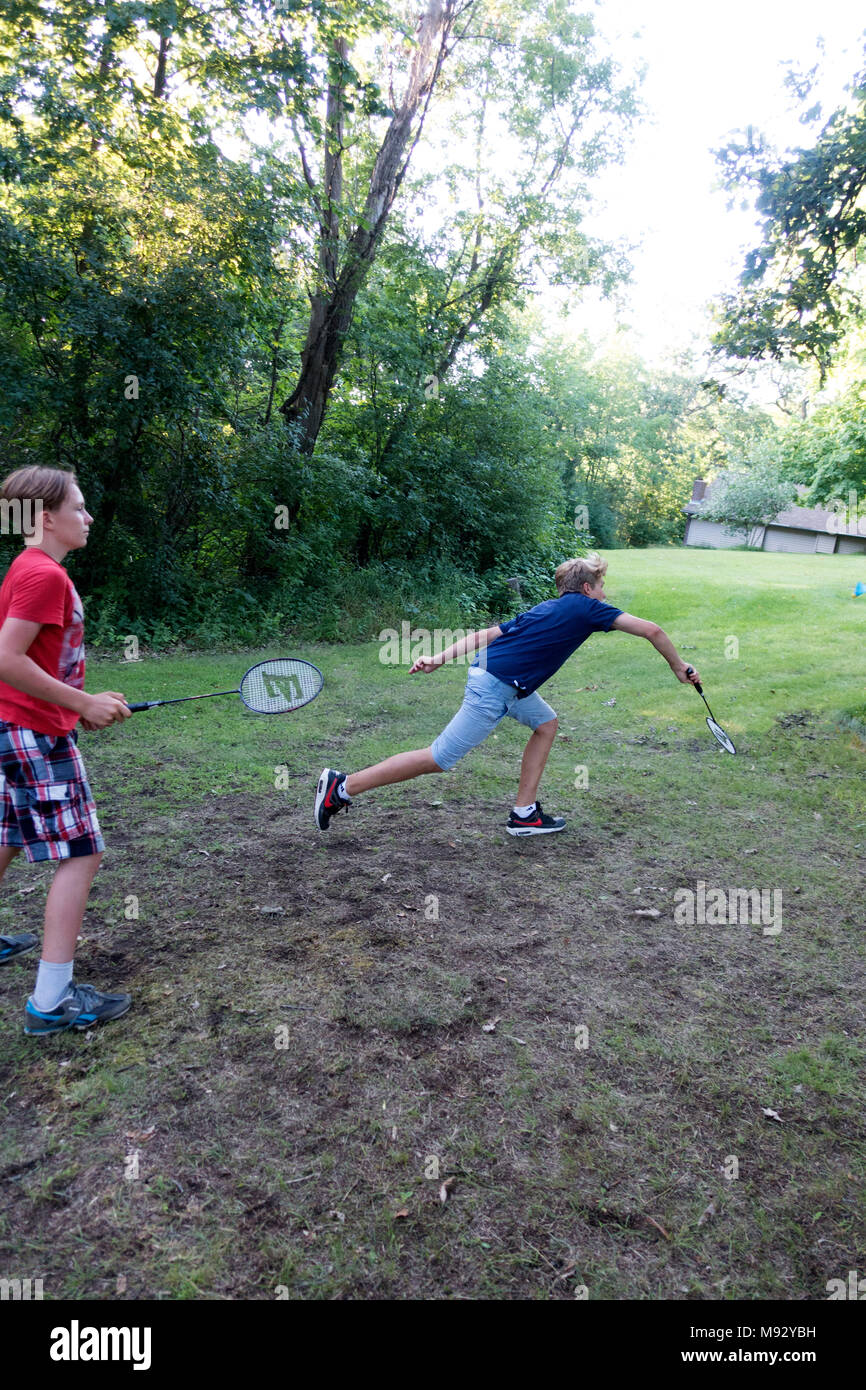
(536, 823)
(328, 799)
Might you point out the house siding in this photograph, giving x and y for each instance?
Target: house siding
(787, 539)
(712, 533)
(851, 545)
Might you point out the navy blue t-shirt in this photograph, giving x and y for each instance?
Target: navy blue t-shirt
(536, 643)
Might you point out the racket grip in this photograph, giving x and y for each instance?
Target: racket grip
(148, 704)
(698, 687)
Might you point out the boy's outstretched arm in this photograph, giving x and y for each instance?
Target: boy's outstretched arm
(639, 627)
(472, 642)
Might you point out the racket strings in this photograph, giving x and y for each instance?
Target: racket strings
(718, 732)
(273, 687)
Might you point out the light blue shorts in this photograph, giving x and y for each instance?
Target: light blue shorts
(486, 702)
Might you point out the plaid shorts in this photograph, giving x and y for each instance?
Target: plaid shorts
(46, 806)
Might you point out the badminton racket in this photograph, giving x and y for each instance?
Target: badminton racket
(716, 730)
(271, 687)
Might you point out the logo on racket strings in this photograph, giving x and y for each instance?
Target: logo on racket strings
(274, 689)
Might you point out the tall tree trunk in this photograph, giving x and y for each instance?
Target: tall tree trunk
(161, 78)
(333, 302)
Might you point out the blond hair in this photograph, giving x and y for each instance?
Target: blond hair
(571, 575)
(50, 486)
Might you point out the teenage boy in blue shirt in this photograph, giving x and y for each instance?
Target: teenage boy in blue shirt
(515, 658)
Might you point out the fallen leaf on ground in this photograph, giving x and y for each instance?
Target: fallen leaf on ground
(141, 1136)
(490, 1025)
(401, 1214)
(773, 1115)
(647, 912)
(120, 1286)
(446, 1189)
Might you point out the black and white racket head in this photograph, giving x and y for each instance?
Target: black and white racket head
(718, 733)
(275, 687)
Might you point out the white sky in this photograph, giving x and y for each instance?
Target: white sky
(712, 69)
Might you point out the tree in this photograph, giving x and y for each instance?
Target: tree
(750, 498)
(340, 277)
(797, 293)
(531, 75)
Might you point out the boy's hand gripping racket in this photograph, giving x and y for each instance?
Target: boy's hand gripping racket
(715, 729)
(271, 687)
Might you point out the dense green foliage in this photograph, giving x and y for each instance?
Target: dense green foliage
(829, 449)
(169, 214)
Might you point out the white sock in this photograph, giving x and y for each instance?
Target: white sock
(524, 810)
(342, 793)
(52, 982)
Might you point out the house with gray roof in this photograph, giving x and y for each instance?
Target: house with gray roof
(803, 530)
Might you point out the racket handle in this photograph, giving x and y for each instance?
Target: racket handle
(148, 704)
(698, 687)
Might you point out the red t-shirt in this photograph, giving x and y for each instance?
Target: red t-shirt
(38, 590)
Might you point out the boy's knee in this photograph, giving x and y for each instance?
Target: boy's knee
(549, 729)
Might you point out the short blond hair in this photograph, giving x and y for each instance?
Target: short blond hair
(50, 486)
(571, 575)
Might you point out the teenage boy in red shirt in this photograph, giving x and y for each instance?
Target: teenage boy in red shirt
(46, 807)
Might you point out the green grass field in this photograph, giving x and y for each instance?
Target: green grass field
(307, 1061)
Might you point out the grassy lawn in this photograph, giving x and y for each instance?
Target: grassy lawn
(661, 1111)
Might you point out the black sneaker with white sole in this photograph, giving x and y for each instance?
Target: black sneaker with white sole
(328, 799)
(81, 1007)
(538, 822)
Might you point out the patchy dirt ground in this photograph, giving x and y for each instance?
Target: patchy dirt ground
(416, 1058)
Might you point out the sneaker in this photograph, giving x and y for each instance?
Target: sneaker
(81, 1007)
(16, 945)
(536, 823)
(328, 799)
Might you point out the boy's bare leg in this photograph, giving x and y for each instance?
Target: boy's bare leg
(400, 768)
(7, 854)
(64, 909)
(535, 756)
